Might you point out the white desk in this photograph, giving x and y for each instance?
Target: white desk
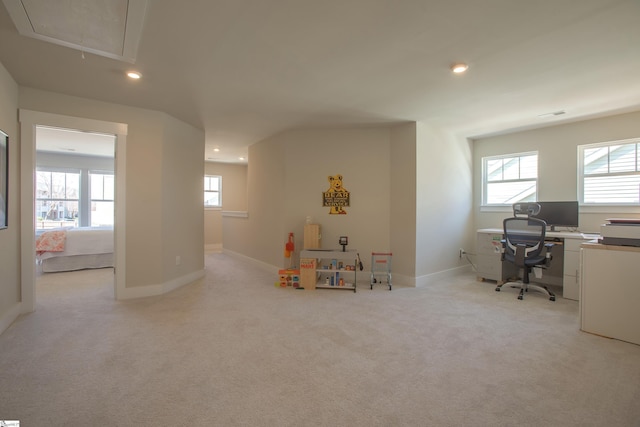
(610, 300)
(564, 273)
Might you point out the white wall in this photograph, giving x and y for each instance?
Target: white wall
(260, 235)
(158, 208)
(10, 237)
(287, 175)
(361, 156)
(234, 198)
(403, 236)
(182, 172)
(444, 202)
(61, 160)
(383, 168)
(557, 148)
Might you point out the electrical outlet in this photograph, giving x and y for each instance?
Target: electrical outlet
(178, 260)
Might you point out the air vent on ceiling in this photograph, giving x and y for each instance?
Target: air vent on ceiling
(552, 114)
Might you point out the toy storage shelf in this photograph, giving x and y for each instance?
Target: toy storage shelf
(328, 268)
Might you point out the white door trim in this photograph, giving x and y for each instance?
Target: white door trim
(28, 122)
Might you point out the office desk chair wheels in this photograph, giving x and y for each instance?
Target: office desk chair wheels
(524, 287)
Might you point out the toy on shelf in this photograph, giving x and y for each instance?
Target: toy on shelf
(289, 278)
(289, 248)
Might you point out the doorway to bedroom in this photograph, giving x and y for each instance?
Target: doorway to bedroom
(30, 123)
(74, 200)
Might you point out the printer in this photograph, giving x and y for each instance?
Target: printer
(621, 232)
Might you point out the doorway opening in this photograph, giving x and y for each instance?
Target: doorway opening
(32, 123)
(75, 200)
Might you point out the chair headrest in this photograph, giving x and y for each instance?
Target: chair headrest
(528, 209)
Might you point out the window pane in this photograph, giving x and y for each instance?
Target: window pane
(211, 183)
(102, 214)
(510, 179)
(511, 168)
(53, 214)
(612, 189)
(97, 189)
(596, 160)
(622, 158)
(58, 185)
(494, 170)
(212, 187)
(109, 187)
(211, 199)
(43, 185)
(528, 167)
(72, 184)
(102, 186)
(511, 192)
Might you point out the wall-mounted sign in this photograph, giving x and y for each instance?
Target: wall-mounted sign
(336, 197)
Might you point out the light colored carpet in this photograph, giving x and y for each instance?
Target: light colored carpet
(234, 350)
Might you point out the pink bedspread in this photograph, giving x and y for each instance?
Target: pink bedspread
(51, 241)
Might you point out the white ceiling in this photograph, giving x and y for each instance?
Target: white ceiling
(245, 70)
(70, 141)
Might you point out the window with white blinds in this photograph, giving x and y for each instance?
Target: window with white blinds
(610, 173)
(510, 179)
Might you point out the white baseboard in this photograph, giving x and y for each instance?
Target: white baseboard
(181, 281)
(9, 317)
(163, 288)
(213, 247)
(429, 279)
(396, 279)
(261, 264)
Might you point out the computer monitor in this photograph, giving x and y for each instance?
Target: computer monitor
(559, 214)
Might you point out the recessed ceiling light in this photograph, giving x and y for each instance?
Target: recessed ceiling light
(459, 68)
(241, 158)
(216, 149)
(134, 75)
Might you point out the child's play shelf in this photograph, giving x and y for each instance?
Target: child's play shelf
(328, 269)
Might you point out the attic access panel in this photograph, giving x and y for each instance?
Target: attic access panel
(111, 29)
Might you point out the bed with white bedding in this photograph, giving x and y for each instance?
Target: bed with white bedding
(74, 249)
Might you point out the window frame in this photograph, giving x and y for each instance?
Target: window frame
(581, 168)
(92, 200)
(219, 191)
(77, 201)
(486, 182)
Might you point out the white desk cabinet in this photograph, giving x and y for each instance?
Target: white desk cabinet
(610, 299)
(571, 276)
(489, 257)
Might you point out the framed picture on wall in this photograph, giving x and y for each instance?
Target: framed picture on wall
(4, 178)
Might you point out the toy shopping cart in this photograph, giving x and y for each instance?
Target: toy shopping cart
(380, 268)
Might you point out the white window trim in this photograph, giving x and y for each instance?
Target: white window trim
(497, 207)
(219, 206)
(602, 207)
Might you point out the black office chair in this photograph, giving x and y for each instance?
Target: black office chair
(524, 245)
